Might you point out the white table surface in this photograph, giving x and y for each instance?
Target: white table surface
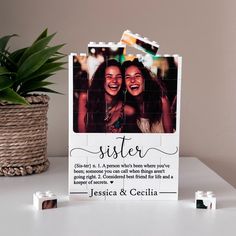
(116, 218)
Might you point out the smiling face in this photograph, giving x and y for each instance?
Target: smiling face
(113, 80)
(134, 80)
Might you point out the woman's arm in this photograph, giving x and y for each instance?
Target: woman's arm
(82, 112)
(166, 115)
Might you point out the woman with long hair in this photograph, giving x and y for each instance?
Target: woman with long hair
(103, 108)
(148, 97)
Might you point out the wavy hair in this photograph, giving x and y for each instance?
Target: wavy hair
(96, 106)
(153, 91)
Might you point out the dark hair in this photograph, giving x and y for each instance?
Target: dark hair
(96, 106)
(172, 71)
(153, 91)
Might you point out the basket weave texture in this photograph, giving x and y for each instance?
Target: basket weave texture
(23, 137)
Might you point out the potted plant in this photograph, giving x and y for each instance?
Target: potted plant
(23, 111)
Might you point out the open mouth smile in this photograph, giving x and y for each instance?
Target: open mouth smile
(113, 87)
(134, 87)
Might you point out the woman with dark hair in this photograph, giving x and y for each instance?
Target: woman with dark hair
(148, 97)
(103, 109)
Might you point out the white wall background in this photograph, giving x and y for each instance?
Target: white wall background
(203, 32)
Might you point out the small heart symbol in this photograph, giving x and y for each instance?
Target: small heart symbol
(111, 182)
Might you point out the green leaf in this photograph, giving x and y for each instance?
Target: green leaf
(32, 86)
(15, 56)
(42, 35)
(8, 95)
(47, 90)
(5, 82)
(35, 61)
(55, 58)
(40, 77)
(50, 68)
(8, 59)
(35, 75)
(3, 70)
(4, 40)
(36, 46)
(31, 79)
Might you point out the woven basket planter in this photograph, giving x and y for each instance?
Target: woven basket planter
(23, 137)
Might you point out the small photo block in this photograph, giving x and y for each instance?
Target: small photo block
(139, 42)
(44, 200)
(205, 200)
